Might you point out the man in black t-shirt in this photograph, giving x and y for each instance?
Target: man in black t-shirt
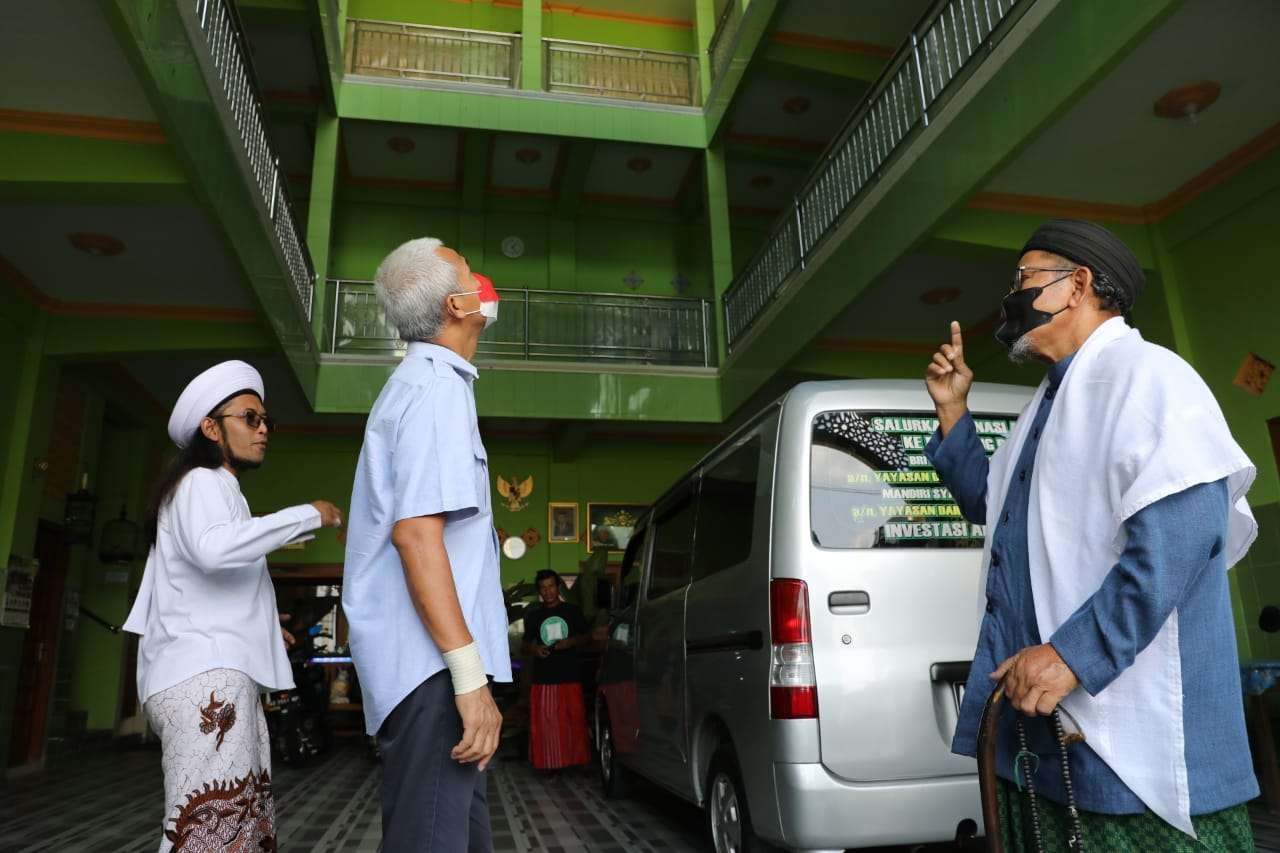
(557, 717)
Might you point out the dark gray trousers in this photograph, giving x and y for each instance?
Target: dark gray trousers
(430, 803)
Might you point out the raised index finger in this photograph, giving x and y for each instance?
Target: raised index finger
(956, 340)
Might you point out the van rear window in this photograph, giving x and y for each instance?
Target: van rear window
(871, 485)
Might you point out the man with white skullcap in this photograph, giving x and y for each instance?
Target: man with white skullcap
(211, 640)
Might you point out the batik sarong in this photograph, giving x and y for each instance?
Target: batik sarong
(557, 726)
(1226, 831)
(217, 765)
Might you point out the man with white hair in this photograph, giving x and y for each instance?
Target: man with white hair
(206, 610)
(421, 588)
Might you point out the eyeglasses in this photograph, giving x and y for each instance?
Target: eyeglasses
(1020, 271)
(252, 419)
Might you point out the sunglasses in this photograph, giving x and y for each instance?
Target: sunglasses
(252, 419)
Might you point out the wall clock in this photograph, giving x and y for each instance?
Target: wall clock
(513, 246)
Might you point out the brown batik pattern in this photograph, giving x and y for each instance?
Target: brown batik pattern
(218, 793)
(217, 715)
(235, 815)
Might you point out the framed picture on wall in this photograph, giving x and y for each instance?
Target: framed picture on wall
(562, 522)
(609, 525)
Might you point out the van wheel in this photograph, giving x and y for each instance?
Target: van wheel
(612, 774)
(728, 819)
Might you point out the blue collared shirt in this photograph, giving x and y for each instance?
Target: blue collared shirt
(1173, 558)
(422, 455)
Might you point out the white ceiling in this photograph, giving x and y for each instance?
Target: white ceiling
(758, 109)
(60, 56)
(609, 174)
(294, 145)
(882, 22)
(891, 308)
(1109, 147)
(282, 56)
(785, 182)
(172, 256)
(508, 172)
(434, 157)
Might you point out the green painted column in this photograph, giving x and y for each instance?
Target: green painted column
(21, 413)
(324, 171)
(531, 46)
(471, 239)
(705, 28)
(1172, 293)
(721, 238)
(562, 262)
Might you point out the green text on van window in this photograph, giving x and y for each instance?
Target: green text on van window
(871, 485)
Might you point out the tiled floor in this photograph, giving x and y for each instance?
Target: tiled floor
(110, 802)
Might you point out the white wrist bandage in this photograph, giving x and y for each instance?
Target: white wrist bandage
(466, 668)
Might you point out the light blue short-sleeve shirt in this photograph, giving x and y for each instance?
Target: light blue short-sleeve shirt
(422, 455)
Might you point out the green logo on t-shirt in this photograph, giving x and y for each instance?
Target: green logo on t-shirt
(553, 630)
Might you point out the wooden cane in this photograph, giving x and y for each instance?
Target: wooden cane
(987, 769)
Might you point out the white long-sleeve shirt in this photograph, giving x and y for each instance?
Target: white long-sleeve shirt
(206, 600)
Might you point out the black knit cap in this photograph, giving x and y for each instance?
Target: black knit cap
(1090, 245)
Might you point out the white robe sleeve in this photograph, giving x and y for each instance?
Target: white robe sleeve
(208, 533)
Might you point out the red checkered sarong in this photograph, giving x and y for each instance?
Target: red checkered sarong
(557, 726)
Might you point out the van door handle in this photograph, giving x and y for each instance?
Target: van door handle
(849, 603)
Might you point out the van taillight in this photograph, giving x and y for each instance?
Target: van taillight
(793, 690)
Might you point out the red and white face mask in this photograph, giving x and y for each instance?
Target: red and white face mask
(488, 299)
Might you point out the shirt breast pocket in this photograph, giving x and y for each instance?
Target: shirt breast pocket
(482, 474)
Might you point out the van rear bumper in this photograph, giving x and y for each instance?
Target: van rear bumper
(819, 810)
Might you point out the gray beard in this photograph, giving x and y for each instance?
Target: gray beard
(1022, 352)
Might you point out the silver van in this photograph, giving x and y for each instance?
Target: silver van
(798, 616)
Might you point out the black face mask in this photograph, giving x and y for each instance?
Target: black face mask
(1019, 316)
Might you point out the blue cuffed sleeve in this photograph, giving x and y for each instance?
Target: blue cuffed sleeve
(1169, 544)
(962, 466)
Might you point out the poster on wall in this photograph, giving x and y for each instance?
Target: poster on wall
(19, 585)
(610, 525)
(562, 522)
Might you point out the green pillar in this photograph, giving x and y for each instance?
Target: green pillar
(531, 46)
(562, 267)
(324, 172)
(705, 28)
(471, 238)
(1172, 293)
(14, 475)
(721, 239)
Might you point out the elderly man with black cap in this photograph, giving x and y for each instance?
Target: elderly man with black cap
(206, 610)
(1112, 514)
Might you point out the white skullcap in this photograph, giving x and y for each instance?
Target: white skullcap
(206, 391)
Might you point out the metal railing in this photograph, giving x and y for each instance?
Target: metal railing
(235, 83)
(951, 35)
(626, 73)
(546, 325)
(720, 50)
(421, 52)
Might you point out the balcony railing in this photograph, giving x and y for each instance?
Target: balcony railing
(720, 50)
(234, 86)
(951, 37)
(632, 74)
(547, 325)
(419, 52)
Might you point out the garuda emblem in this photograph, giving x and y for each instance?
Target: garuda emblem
(515, 491)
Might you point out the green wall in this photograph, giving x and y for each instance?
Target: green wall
(561, 21)
(302, 468)
(590, 254)
(1221, 251)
